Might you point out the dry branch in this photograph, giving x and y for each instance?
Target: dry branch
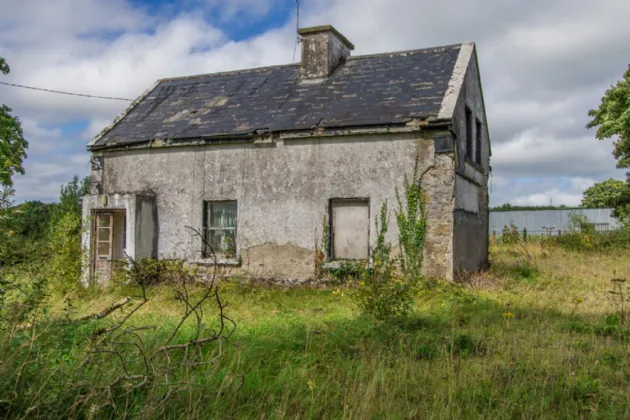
(103, 313)
(154, 369)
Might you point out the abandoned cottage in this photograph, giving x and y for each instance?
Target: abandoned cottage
(267, 162)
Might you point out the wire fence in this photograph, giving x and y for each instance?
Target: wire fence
(549, 231)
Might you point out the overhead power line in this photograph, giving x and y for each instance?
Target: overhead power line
(297, 28)
(66, 93)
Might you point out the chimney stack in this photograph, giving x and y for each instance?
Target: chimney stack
(323, 50)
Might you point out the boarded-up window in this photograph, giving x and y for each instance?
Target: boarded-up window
(220, 227)
(350, 226)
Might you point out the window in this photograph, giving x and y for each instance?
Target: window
(478, 135)
(350, 221)
(220, 229)
(469, 134)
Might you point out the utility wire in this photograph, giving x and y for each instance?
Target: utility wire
(66, 93)
(297, 29)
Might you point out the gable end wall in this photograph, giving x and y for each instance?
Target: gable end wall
(470, 237)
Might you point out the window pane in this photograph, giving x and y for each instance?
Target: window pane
(222, 215)
(103, 249)
(222, 241)
(103, 220)
(479, 133)
(103, 234)
(469, 134)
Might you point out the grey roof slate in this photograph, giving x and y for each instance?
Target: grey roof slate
(371, 90)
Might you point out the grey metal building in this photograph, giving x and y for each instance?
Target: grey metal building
(541, 221)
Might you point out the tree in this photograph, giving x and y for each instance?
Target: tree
(612, 118)
(64, 240)
(70, 197)
(12, 143)
(604, 194)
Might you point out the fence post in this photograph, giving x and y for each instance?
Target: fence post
(524, 234)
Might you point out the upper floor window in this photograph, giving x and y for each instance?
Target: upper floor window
(220, 229)
(469, 134)
(478, 136)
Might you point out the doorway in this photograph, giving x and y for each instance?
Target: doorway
(109, 235)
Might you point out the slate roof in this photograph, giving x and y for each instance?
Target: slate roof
(381, 89)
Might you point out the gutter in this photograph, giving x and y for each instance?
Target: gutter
(412, 125)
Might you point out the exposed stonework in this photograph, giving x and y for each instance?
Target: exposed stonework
(438, 247)
(323, 49)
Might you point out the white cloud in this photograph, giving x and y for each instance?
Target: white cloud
(553, 197)
(543, 64)
(581, 184)
(536, 154)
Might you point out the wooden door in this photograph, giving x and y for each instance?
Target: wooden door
(103, 246)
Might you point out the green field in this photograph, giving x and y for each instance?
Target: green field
(535, 337)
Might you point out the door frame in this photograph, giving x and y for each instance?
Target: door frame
(94, 254)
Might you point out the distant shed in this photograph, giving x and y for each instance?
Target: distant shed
(535, 221)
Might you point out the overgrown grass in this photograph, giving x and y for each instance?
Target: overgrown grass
(535, 337)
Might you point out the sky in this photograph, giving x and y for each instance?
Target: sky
(543, 65)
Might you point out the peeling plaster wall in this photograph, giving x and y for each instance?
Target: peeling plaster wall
(470, 237)
(283, 190)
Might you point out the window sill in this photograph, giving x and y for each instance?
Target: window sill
(476, 166)
(229, 262)
(336, 264)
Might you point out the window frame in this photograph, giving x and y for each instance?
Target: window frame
(478, 141)
(207, 209)
(469, 134)
(330, 252)
(109, 227)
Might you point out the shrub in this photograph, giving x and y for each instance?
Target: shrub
(510, 234)
(64, 265)
(382, 292)
(152, 272)
(590, 240)
(64, 238)
(22, 293)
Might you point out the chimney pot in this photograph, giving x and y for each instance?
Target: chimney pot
(323, 50)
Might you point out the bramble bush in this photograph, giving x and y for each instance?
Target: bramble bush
(583, 237)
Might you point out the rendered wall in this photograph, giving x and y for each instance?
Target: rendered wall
(283, 190)
(470, 238)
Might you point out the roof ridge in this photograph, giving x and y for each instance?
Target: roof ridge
(417, 50)
(263, 68)
(228, 72)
